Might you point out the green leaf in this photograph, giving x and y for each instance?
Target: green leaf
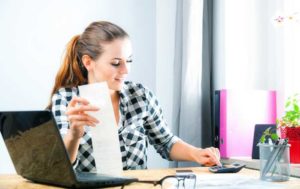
(262, 139)
(274, 136)
(268, 133)
(296, 107)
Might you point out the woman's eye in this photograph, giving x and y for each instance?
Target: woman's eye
(115, 63)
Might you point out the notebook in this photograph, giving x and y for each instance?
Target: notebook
(38, 153)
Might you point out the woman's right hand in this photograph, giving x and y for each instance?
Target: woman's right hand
(78, 118)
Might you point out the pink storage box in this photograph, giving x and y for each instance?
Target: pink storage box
(240, 110)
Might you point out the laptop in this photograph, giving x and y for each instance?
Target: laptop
(38, 153)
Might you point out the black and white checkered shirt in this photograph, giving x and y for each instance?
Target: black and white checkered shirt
(141, 120)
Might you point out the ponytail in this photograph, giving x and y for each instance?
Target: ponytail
(72, 72)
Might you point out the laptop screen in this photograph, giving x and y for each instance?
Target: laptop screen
(35, 146)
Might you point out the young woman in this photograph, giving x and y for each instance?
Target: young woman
(103, 53)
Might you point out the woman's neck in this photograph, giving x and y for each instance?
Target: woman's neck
(115, 102)
(114, 95)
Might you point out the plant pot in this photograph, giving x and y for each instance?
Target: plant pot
(293, 135)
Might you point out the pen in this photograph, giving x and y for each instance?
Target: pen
(285, 142)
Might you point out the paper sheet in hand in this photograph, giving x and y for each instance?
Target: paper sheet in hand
(105, 135)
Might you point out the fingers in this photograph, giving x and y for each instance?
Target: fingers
(76, 112)
(211, 156)
(76, 100)
(215, 155)
(78, 118)
(76, 124)
(78, 105)
(207, 161)
(82, 119)
(81, 109)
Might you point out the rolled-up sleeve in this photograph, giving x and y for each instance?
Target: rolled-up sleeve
(59, 107)
(159, 134)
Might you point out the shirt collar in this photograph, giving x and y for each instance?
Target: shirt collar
(124, 98)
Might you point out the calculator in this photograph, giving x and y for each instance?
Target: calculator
(228, 168)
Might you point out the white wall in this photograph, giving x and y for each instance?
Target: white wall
(165, 48)
(34, 33)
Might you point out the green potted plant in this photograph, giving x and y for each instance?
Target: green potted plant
(289, 125)
(268, 134)
(291, 117)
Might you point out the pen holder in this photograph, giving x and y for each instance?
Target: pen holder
(274, 162)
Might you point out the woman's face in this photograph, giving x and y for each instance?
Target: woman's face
(113, 65)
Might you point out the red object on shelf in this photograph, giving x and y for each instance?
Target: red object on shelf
(293, 135)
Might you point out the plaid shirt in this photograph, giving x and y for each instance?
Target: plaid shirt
(141, 120)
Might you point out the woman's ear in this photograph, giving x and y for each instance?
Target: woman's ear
(87, 62)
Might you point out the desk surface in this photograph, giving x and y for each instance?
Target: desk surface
(16, 182)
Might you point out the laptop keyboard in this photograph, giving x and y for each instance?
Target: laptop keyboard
(95, 180)
(85, 176)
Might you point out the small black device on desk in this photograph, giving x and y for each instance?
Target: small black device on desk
(230, 168)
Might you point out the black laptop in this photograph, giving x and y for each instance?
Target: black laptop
(38, 152)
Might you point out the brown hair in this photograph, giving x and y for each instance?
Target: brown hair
(72, 72)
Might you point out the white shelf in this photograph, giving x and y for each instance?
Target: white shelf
(254, 164)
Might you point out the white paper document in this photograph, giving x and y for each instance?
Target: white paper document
(233, 181)
(105, 135)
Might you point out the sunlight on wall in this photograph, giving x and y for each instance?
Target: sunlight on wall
(291, 29)
(252, 52)
(289, 26)
(239, 39)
